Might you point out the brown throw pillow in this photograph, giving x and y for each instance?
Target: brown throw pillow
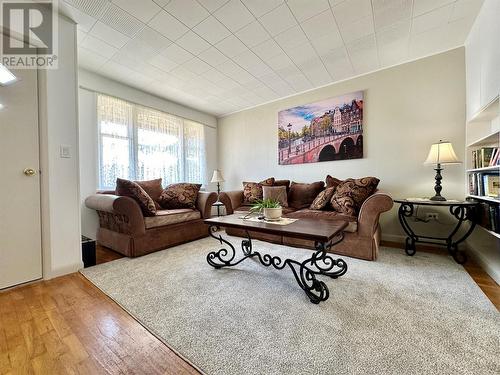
(356, 189)
(252, 191)
(126, 188)
(332, 181)
(302, 195)
(277, 193)
(153, 188)
(182, 195)
(283, 183)
(344, 205)
(322, 199)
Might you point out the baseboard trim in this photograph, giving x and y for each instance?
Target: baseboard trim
(72, 268)
(483, 262)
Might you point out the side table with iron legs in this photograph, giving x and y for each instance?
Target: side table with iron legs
(463, 211)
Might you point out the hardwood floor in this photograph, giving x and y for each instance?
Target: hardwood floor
(67, 326)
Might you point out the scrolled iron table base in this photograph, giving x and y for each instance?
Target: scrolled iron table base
(305, 272)
(461, 211)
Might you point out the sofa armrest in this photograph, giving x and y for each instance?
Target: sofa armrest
(370, 212)
(204, 203)
(232, 200)
(120, 206)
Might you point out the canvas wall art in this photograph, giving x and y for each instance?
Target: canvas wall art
(331, 129)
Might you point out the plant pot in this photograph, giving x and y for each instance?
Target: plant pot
(273, 213)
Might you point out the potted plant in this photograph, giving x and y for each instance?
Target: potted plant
(271, 208)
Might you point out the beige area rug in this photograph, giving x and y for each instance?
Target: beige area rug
(398, 315)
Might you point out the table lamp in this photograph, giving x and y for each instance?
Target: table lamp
(440, 153)
(217, 177)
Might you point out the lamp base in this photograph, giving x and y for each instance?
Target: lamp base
(437, 198)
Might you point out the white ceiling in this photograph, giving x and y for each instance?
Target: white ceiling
(222, 56)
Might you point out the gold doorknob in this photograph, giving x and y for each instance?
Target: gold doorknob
(29, 172)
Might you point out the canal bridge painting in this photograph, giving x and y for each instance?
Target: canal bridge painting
(331, 129)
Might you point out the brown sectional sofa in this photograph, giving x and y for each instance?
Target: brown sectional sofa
(124, 228)
(362, 236)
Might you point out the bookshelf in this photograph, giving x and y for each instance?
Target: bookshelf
(483, 134)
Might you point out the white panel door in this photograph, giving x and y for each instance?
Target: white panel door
(20, 229)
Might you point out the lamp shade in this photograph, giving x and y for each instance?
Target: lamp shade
(217, 176)
(442, 153)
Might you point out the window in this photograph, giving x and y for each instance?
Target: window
(141, 143)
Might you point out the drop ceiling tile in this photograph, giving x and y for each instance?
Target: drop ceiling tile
(196, 66)
(212, 5)
(261, 7)
(279, 61)
(136, 48)
(303, 10)
(234, 71)
(387, 12)
(393, 53)
(190, 12)
(163, 62)
(90, 60)
(458, 30)
(152, 38)
(315, 72)
(278, 20)
(428, 42)
(84, 21)
(325, 43)
(234, 15)
(335, 2)
(80, 35)
(291, 38)
(253, 34)
(397, 32)
(143, 10)
(193, 43)
(109, 35)
(94, 8)
(177, 54)
(211, 30)
(161, 3)
(424, 6)
(212, 56)
(363, 54)
(121, 21)
(431, 20)
(168, 26)
(214, 76)
(267, 49)
(182, 73)
(251, 63)
(231, 46)
(327, 22)
(352, 10)
(301, 54)
(99, 47)
(337, 63)
(357, 29)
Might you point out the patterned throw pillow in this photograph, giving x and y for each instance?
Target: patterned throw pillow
(182, 195)
(153, 188)
(252, 191)
(344, 205)
(131, 189)
(332, 181)
(302, 195)
(322, 199)
(356, 189)
(277, 193)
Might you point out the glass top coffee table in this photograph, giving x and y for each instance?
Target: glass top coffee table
(324, 233)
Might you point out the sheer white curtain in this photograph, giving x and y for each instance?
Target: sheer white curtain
(115, 119)
(141, 143)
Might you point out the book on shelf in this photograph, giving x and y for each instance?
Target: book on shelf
(484, 184)
(488, 216)
(485, 157)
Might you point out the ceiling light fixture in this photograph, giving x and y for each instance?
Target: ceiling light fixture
(6, 76)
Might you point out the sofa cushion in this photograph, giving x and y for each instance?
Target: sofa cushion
(356, 189)
(332, 181)
(283, 183)
(322, 199)
(302, 195)
(277, 193)
(169, 217)
(153, 188)
(130, 189)
(182, 195)
(252, 191)
(326, 215)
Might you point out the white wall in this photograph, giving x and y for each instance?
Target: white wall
(406, 109)
(60, 177)
(91, 83)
